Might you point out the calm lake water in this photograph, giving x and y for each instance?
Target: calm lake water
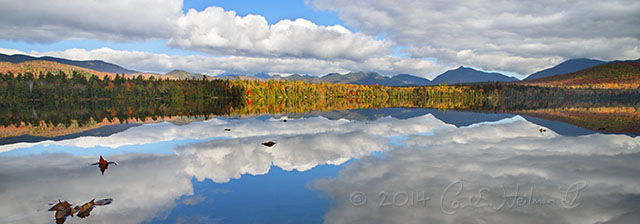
(363, 166)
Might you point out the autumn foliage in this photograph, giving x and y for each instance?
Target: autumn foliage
(619, 75)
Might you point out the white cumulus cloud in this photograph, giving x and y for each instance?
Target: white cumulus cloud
(507, 35)
(212, 30)
(221, 32)
(146, 61)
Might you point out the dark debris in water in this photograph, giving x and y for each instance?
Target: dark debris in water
(268, 144)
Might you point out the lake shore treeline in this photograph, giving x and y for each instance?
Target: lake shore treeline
(55, 99)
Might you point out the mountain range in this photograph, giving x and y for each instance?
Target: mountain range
(360, 78)
(455, 76)
(460, 75)
(97, 65)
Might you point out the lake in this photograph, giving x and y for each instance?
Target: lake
(386, 165)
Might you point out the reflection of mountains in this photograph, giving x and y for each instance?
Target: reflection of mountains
(22, 123)
(565, 121)
(100, 132)
(108, 129)
(624, 120)
(560, 127)
(456, 118)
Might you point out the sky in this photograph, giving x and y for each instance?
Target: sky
(316, 37)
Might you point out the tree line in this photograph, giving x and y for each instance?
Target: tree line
(74, 98)
(77, 86)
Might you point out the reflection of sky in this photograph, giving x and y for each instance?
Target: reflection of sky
(156, 147)
(142, 186)
(492, 158)
(244, 128)
(199, 173)
(194, 154)
(279, 197)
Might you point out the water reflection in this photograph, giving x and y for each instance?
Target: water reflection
(491, 173)
(302, 144)
(320, 169)
(143, 186)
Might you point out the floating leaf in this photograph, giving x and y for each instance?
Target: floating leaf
(60, 205)
(85, 210)
(103, 164)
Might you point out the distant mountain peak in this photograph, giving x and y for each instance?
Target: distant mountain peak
(262, 75)
(464, 74)
(568, 66)
(412, 80)
(466, 68)
(177, 71)
(182, 74)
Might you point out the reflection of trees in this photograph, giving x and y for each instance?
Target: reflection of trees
(58, 100)
(81, 113)
(481, 97)
(603, 119)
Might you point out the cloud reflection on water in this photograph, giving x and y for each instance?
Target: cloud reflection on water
(428, 156)
(163, 132)
(489, 160)
(145, 185)
(142, 186)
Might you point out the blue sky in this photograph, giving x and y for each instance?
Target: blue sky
(273, 11)
(317, 37)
